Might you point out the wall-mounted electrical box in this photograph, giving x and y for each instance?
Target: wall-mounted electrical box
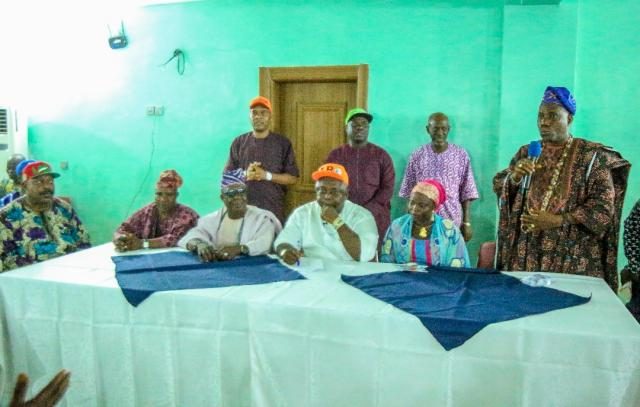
(154, 110)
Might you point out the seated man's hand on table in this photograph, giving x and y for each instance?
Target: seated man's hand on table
(127, 242)
(205, 251)
(289, 254)
(229, 252)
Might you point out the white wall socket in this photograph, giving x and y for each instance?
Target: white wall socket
(154, 110)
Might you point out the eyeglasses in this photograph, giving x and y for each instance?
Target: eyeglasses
(234, 192)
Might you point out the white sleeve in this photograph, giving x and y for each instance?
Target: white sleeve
(260, 242)
(292, 231)
(364, 225)
(205, 230)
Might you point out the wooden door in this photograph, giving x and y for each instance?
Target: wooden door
(309, 107)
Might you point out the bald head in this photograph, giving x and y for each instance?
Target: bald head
(438, 116)
(12, 163)
(438, 129)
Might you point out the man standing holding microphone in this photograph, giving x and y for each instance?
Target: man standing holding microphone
(567, 221)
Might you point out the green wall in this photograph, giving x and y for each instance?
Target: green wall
(607, 81)
(539, 50)
(483, 63)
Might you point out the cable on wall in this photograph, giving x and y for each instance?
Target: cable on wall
(146, 175)
(178, 55)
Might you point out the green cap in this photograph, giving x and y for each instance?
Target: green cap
(358, 111)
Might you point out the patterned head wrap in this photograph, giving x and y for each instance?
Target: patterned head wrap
(233, 177)
(433, 190)
(169, 179)
(560, 96)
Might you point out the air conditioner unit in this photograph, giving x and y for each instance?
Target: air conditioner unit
(13, 134)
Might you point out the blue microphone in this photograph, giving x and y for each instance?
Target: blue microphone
(535, 149)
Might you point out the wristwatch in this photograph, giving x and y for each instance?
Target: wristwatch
(337, 223)
(244, 250)
(145, 244)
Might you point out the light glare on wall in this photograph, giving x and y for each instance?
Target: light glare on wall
(62, 49)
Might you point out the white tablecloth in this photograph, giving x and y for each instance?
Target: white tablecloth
(318, 342)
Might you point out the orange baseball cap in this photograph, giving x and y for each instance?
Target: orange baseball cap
(260, 101)
(331, 170)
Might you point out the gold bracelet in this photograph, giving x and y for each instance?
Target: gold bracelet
(337, 223)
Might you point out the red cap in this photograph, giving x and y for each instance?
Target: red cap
(36, 169)
(260, 101)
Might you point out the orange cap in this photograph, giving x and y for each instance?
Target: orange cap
(260, 101)
(331, 170)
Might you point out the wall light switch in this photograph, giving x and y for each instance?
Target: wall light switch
(159, 110)
(64, 165)
(150, 110)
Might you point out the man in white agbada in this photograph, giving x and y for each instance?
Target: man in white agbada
(237, 229)
(331, 227)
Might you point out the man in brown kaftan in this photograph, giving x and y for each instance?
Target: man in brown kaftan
(568, 221)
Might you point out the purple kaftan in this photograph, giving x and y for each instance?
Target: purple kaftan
(371, 179)
(452, 168)
(276, 155)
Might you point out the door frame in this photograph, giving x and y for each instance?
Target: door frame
(272, 77)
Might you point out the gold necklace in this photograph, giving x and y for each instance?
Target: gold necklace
(423, 231)
(556, 175)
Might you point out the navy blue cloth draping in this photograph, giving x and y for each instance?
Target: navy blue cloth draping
(139, 276)
(456, 303)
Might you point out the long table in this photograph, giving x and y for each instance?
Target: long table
(315, 342)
